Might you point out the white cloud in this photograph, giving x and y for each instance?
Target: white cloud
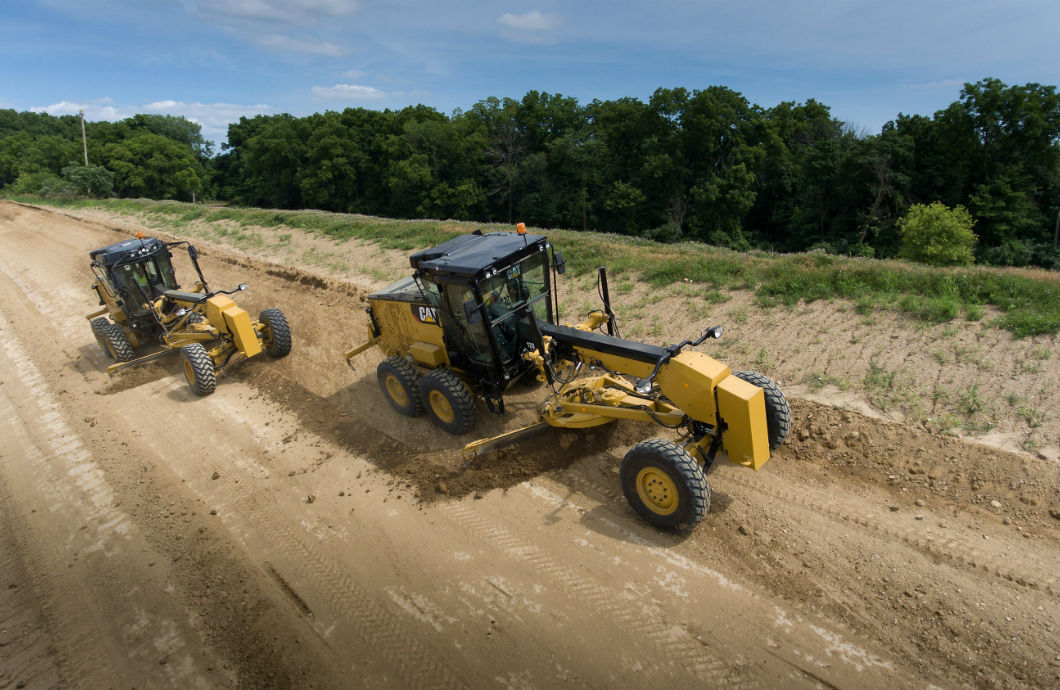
(349, 92)
(281, 11)
(353, 74)
(529, 21)
(213, 118)
(530, 27)
(295, 45)
(100, 109)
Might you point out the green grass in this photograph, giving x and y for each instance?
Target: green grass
(1029, 304)
(1033, 416)
(816, 380)
(885, 388)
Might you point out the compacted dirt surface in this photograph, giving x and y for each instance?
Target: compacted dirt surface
(292, 530)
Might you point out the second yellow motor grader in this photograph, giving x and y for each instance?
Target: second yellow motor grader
(147, 310)
(479, 313)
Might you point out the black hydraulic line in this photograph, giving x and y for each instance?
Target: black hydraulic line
(194, 254)
(605, 296)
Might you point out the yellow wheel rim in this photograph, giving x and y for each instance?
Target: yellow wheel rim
(441, 407)
(189, 373)
(396, 391)
(657, 491)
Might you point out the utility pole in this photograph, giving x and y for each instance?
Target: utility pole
(84, 146)
(84, 141)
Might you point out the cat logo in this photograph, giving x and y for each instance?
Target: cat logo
(425, 314)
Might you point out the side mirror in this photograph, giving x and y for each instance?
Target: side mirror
(560, 263)
(243, 286)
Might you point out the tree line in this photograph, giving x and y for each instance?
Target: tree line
(703, 165)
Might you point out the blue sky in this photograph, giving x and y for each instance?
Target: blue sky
(213, 61)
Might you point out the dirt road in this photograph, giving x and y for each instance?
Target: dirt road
(291, 530)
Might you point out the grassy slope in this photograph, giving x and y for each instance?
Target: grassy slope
(1028, 299)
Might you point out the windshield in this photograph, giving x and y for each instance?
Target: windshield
(523, 283)
(145, 280)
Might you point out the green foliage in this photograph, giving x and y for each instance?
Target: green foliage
(937, 235)
(687, 165)
(90, 180)
(43, 183)
(150, 165)
(1030, 304)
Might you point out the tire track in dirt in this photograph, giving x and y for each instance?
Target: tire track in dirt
(1017, 569)
(326, 587)
(57, 457)
(799, 629)
(29, 656)
(681, 648)
(687, 654)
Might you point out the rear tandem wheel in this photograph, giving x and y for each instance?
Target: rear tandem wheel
(112, 339)
(448, 401)
(398, 379)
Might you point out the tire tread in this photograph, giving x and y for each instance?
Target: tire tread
(778, 412)
(450, 385)
(694, 480)
(279, 332)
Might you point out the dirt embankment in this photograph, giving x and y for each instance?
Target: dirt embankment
(292, 530)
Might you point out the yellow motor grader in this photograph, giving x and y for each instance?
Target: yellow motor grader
(139, 293)
(479, 313)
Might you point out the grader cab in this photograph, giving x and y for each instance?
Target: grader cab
(479, 313)
(144, 309)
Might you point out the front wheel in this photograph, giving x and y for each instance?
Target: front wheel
(665, 485)
(199, 369)
(448, 401)
(277, 335)
(778, 412)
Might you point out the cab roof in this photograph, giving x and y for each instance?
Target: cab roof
(127, 249)
(468, 256)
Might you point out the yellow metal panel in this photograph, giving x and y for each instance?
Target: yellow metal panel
(224, 314)
(405, 323)
(214, 306)
(742, 406)
(242, 330)
(688, 380)
(615, 362)
(428, 354)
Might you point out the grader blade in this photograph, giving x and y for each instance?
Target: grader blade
(488, 445)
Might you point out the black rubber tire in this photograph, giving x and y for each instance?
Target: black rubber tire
(98, 325)
(277, 334)
(398, 379)
(199, 369)
(665, 485)
(112, 340)
(448, 401)
(778, 413)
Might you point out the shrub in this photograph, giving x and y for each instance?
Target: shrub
(937, 235)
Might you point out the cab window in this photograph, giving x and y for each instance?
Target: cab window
(468, 329)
